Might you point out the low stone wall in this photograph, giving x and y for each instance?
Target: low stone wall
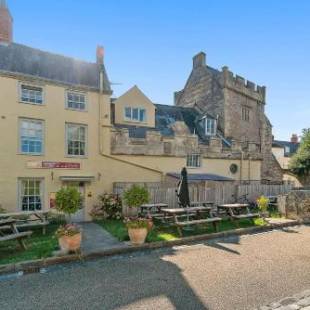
(295, 205)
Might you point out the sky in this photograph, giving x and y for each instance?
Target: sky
(150, 43)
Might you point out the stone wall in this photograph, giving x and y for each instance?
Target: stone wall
(223, 94)
(295, 205)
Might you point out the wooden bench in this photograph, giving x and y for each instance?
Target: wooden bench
(213, 220)
(17, 236)
(39, 219)
(245, 216)
(14, 234)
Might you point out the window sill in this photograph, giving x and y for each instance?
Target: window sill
(30, 154)
(76, 110)
(76, 156)
(31, 103)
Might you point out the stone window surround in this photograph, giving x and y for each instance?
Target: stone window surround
(32, 88)
(193, 160)
(76, 92)
(30, 120)
(67, 125)
(21, 195)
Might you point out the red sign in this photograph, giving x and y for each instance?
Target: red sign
(60, 165)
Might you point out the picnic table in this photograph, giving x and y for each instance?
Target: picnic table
(188, 213)
(11, 232)
(27, 219)
(237, 211)
(202, 203)
(152, 208)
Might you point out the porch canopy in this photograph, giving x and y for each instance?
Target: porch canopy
(77, 178)
(196, 177)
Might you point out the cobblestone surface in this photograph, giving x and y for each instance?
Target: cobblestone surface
(300, 301)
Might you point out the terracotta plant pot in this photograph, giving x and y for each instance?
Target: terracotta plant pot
(70, 244)
(150, 225)
(137, 235)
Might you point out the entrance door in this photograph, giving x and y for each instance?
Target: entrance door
(80, 215)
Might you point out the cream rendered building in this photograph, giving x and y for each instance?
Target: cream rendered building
(59, 128)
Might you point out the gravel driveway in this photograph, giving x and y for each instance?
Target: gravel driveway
(235, 273)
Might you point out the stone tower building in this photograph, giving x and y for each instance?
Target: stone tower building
(237, 104)
(6, 23)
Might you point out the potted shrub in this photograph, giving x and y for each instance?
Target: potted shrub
(69, 238)
(263, 203)
(137, 227)
(68, 201)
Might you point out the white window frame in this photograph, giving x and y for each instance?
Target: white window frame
(131, 119)
(76, 92)
(30, 120)
(21, 85)
(193, 160)
(20, 194)
(67, 140)
(213, 128)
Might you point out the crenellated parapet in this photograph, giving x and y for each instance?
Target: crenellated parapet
(241, 85)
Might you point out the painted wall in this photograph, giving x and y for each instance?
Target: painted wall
(250, 170)
(13, 165)
(136, 99)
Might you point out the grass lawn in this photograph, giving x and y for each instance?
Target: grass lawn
(159, 233)
(39, 246)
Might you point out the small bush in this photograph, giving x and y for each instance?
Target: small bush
(136, 196)
(110, 207)
(135, 223)
(68, 230)
(263, 203)
(68, 200)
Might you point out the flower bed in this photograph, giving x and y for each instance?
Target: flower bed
(118, 229)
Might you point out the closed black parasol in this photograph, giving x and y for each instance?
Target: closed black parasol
(183, 194)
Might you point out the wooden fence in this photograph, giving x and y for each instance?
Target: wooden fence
(217, 192)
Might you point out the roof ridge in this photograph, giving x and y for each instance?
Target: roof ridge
(51, 53)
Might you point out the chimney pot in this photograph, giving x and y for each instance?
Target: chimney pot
(6, 23)
(100, 55)
(294, 138)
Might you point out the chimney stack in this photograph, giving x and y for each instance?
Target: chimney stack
(6, 24)
(294, 138)
(199, 60)
(100, 55)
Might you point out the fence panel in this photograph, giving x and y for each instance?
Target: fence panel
(219, 192)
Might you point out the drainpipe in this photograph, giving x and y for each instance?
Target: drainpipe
(101, 146)
(241, 166)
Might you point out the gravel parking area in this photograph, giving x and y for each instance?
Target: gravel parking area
(245, 272)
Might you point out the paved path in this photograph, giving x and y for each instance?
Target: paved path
(300, 301)
(235, 273)
(96, 239)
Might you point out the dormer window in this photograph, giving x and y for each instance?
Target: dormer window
(210, 126)
(135, 114)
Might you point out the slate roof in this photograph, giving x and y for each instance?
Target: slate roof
(165, 116)
(200, 177)
(293, 147)
(21, 59)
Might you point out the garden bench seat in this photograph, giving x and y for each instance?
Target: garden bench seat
(197, 222)
(17, 236)
(29, 224)
(245, 216)
(213, 220)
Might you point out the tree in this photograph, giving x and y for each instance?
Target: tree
(300, 162)
(68, 201)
